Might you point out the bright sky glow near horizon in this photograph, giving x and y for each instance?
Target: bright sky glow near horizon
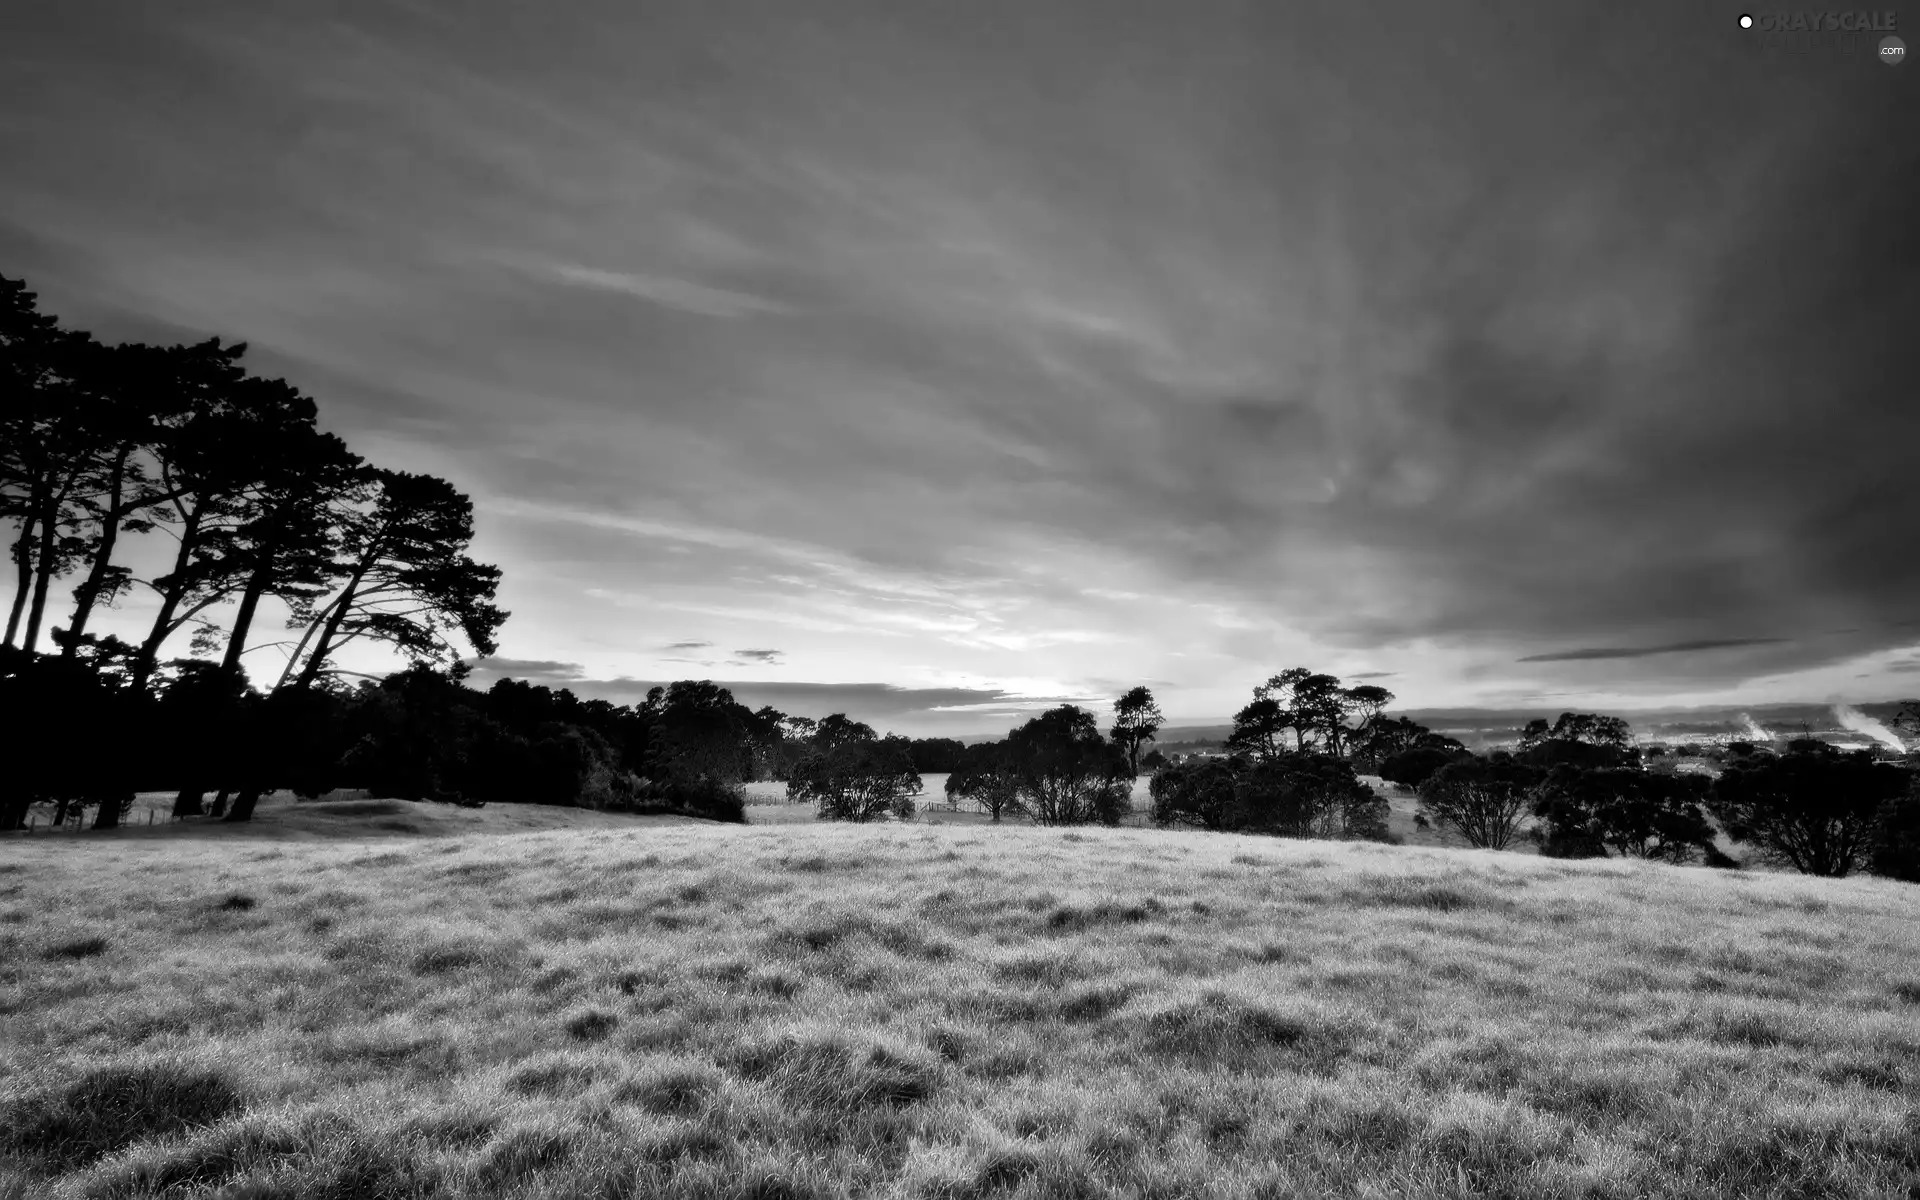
(932, 362)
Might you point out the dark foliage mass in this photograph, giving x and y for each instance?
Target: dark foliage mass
(1298, 795)
(1054, 770)
(1638, 814)
(101, 445)
(1068, 774)
(1815, 808)
(1896, 843)
(985, 776)
(852, 774)
(1481, 799)
(1411, 768)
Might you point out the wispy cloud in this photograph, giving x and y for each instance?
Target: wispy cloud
(669, 292)
(1649, 651)
(932, 351)
(763, 657)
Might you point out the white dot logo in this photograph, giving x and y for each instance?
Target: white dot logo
(1746, 22)
(1893, 51)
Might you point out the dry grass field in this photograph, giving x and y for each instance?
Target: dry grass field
(382, 999)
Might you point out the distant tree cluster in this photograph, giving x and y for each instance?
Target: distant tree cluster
(1290, 766)
(850, 773)
(1056, 769)
(1305, 795)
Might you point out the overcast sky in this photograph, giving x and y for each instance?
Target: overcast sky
(911, 358)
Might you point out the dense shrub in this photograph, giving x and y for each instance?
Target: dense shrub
(1638, 814)
(1310, 795)
(936, 756)
(1896, 836)
(1199, 792)
(714, 799)
(1068, 773)
(1481, 799)
(858, 778)
(1411, 768)
(1293, 795)
(985, 776)
(1816, 810)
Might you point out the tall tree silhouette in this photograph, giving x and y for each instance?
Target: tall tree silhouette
(408, 580)
(1136, 719)
(129, 389)
(44, 445)
(207, 449)
(287, 548)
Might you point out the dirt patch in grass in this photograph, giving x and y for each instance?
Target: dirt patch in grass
(1073, 919)
(591, 1025)
(86, 947)
(458, 954)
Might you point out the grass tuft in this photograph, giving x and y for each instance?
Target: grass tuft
(829, 1069)
(514, 1156)
(676, 1090)
(1439, 895)
(1069, 918)
(112, 1107)
(1241, 1034)
(551, 1077)
(591, 1025)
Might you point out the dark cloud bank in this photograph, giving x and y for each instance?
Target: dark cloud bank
(1510, 332)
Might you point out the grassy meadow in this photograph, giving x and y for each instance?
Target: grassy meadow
(371, 999)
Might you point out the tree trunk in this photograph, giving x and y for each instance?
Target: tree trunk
(23, 566)
(88, 593)
(243, 804)
(219, 805)
(190, 803)
(111, 806)
(320, 649)
(293, 660)
(44, 568)
(176, 590)
(60, 812)
(13, 810)
(243, 620)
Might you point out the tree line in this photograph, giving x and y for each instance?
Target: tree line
(105, 447)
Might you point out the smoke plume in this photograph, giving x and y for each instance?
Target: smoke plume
(1860, 722)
